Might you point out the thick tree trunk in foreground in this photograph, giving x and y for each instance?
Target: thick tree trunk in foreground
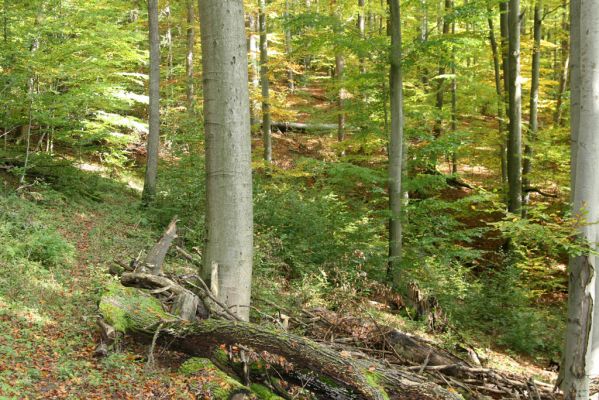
(229, 213)
(534, 104)
(514, 151)
(580, 355)
(266, 121)
(153, 145)
(395, 147)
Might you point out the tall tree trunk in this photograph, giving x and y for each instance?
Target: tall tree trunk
(500, 98)
(153, 145)
(289, 47)
(170, 52)
(503, 28)
(438, 130)
(423, 38)
(514, 156)
(229, 212)
(454, 101)
(189, 59)
(396, 140)
(339, 71)
(579, 363)
(266, 121)
(255, 65)
(563, 80)
(534, 103)
(362, 30)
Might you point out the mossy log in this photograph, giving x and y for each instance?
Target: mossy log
(135, 312)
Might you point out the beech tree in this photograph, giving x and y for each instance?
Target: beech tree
(395, 145)
(266, 121)
(229, 214)
(514, 156)
(189, 66)
(582, 335)
(534, 104)
(153, 145)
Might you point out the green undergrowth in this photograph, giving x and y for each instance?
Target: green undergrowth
(320, 241)
(57, 243)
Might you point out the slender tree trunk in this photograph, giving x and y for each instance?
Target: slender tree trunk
(28, 144)
(454, 101)
(339, 72)
(500, 97)
(438, 130)
(289, 48)
(229, 214)
(153, 145)
(255, 65)
(579, 363)
(503, 28)
(362, 30)
(534, 102)
(189, 60)
(169, 46)
(563, 81)
(395, 147)
(266, 121)
(423, 37)
(514, 157)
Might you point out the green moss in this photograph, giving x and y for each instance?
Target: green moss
(195, 365)
(264, 393)
(216, 384)
(129, 309)
(374, 380)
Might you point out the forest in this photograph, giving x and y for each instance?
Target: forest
(299, 199)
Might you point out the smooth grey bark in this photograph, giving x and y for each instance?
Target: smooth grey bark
(503, 28)
(153, 144)
(31, 83)
(580, 354)
(266, 119)
(339, 76)
(339, 72)
(253, 49)
(574, 88)
(396, 147)
(229, 212)
(454, 100)
(500, 97)
(514, 151)
(563, 80)
(533, 125)
(289, 47)
(169, 46)
(445, 25)
(362, 30)
(189, 59)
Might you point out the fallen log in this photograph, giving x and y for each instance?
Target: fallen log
(303, 127)
(137, 312)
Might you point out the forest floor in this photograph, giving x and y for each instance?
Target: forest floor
(59, 240)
